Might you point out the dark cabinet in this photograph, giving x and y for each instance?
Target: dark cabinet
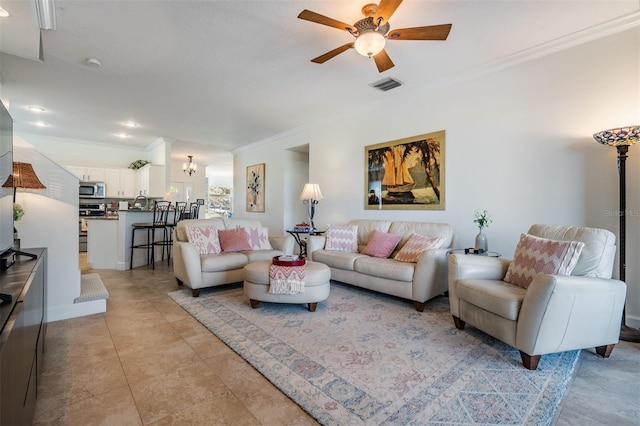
(22, 337)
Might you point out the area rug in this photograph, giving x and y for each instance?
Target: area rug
(369, 359)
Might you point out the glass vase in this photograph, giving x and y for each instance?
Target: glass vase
(481, 242)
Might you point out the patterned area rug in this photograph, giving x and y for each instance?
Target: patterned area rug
(368, 359)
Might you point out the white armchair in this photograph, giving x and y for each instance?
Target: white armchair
(555, 313)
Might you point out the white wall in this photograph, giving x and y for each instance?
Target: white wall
(518, 143)
(51, 221)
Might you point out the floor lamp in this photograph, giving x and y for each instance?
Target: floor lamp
(622, 138)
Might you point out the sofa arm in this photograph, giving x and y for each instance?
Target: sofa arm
(186, 264)
(430, 276)
(471, 266)
(561, 313)
(315, 243)
(283, 243)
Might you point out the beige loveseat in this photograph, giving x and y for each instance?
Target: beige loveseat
(555, 313)
(418, 281)
(199, 271)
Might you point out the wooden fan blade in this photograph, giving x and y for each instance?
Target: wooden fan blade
(433, 32)
(385, 10)
(308, 15)
(335, 52)
(383, 61)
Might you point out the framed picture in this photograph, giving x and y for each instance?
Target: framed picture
(406, 174)
(255, 188)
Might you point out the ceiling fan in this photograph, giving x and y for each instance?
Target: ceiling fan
(372, 32)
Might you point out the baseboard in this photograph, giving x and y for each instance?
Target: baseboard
(75, 310)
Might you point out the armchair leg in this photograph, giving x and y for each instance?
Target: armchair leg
(195, 292)
(458, 322)
(530, 362)
(419, 306)
(604, 351)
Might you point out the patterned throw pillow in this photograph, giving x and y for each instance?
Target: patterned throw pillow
(258, 238)
(234, 240)
(535, 255)
(415, 246)
(342, 238)
(205, 239)
(381, 244)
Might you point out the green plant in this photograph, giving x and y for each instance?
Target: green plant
(482, 219)
(18, 212)
(137, 164)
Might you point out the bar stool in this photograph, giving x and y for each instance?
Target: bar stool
(160, 216)
(167, 241)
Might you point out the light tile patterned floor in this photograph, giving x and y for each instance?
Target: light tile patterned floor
(146, 361)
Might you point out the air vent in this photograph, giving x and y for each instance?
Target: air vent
(386, 84)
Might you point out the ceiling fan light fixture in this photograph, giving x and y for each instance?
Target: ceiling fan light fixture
(370, 43)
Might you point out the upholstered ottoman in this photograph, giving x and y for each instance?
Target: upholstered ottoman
(316, 287)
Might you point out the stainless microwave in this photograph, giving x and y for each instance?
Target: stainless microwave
(92, 189)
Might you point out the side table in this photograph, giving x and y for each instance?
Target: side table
(302, 244)
(473, 252)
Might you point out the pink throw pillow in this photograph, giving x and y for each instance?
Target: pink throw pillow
(381, 244)
(204, 238)
(535, 255)
(234, 240)
(258, 238)
(415, 246)
(342, 238)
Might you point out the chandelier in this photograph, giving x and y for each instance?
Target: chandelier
(189, 167)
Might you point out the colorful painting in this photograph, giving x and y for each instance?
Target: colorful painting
(406, 174)
(255, 188)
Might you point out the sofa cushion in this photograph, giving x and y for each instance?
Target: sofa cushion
(258, 238)
(430, 229)
(223, 262)
(338, 260)
(204, 238)
(381, 244)
(384, 268)
(494, 296)
(255, 255)
(415, 246)
(535, 255)
(234, 240)
(342, 238)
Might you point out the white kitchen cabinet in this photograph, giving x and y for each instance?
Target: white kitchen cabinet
(120, 183)
(151, 181)
(88, 174)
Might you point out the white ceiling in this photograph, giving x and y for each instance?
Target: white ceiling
(218, 75)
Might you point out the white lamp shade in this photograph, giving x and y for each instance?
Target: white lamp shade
(370, 43)
(311, 191)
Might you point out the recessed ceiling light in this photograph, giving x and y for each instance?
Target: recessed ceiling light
(41, 124)
(130, 124)
(122, 135)
(35, 108)
(93, 62)
(3, 13)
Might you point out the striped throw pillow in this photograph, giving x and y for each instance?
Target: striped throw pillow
(342, 238)
(415, 246)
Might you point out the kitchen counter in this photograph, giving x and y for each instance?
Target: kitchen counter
(107, 217)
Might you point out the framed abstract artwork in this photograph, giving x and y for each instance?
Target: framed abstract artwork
(406, 174)
(255, 188)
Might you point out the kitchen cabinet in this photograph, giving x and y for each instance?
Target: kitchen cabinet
(151, 181)
(22, 334)
(120, 183)
(88, 174)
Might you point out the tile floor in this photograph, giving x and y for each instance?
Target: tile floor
(146, 361)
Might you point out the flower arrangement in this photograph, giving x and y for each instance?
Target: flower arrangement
(138, 164)
(482, 219)
(18, 212)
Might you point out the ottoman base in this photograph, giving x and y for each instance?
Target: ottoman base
(256, 285)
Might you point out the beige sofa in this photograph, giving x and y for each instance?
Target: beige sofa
(418, 282)
(555, 313)
(199, 271)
